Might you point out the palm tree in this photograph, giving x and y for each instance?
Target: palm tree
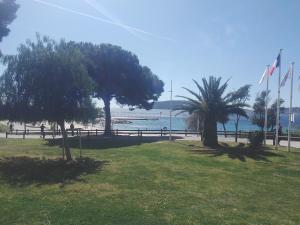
(213, 106)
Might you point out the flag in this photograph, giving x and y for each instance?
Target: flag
(263, 76)
(275, 65)
(286, 76)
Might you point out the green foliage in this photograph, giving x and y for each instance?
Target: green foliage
(194, 122)
(3, 128)
(8, 9)
(258, 117)
(46, 80)
(272, 114)
(118, 74)
(256, 139)
(212, 105)
(242, 95)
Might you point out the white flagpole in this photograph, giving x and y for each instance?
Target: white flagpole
(278, 101)
(170, 132)
(290, 109)
(266, 107)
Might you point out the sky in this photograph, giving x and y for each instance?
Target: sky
(179, 40)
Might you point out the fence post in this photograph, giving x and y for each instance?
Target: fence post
(161, 132)
(16, 131)
(80, 145)
(63, 148)
(6, 135)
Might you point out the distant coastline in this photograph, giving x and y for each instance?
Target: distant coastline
(176, 104)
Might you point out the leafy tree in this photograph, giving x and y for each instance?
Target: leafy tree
(258, 117)
(194, 122)
(213, 106)
(118, 75)
(8, 9)
(272, 114)
(241, 95)
(46, 80)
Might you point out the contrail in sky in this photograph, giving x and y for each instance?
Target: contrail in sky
(104, 20)
(104, 12)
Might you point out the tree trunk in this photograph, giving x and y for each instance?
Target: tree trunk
(236, 131)
(236, 127)
(210, 137)
(224, 128)
(65, 141)
(107, 130)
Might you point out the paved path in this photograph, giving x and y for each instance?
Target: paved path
(295, 144)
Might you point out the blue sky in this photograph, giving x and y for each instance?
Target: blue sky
(179, 40)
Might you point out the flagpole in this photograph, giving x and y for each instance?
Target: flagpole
(290, 109)
(266, 107)
(278, 102)
(170, 132)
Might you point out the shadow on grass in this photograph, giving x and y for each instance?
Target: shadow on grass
(21, 171)
(104, 142)
(240, 151)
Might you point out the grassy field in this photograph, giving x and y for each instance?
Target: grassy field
(127, 182)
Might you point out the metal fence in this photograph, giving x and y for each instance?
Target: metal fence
(139, 132)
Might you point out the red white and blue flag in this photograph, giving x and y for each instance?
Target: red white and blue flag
(275, 64)
(286, 76)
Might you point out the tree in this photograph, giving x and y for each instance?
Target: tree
(213, 105)
(258, 117)
(8, 9)
(241, 95)
(118, 75)
(194, 122)
(46, 80)
(272, 114)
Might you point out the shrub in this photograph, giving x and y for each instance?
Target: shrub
(3, 128)
(256, 139)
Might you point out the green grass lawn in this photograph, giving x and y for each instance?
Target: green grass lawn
(147, 183)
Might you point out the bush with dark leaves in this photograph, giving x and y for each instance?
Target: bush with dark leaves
(256, 139)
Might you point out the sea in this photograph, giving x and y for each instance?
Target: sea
(155, 119)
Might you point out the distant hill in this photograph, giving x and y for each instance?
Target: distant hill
(167, 104)
(177, 103)
(295, 110)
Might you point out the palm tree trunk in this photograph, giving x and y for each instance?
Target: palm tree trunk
(107, 130)
(65, 141)
(210, 137)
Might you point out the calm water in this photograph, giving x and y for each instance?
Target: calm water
(158, 119)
